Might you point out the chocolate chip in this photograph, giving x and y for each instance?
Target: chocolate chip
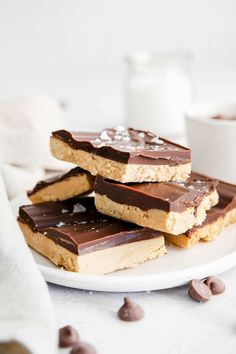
(216, 285)
(83, 348)
(199, 291)
(68, 336)
(130, 311)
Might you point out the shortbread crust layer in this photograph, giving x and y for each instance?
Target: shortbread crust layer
(62, 187)
(97, 262)
(220, 216)
(119, 171)
(75, 235)
(66, 189)
(171, 222)
(205, 233)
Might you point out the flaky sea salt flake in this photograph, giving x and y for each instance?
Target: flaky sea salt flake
(61, 223)
(78, 208)
(104, 135)
(157, 140)
(63, 211)
(120, 128)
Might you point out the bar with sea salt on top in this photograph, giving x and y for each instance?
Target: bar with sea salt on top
(124, 155)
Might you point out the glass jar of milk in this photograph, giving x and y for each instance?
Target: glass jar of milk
(158, 91)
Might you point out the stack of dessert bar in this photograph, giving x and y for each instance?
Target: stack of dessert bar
(144, 193)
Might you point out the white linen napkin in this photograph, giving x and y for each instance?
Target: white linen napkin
(25, 126)
(26, 314)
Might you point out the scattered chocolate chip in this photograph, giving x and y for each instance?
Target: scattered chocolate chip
(68, 336)
(83, 348)
(199, 291)
(216, 285)
(130, 311)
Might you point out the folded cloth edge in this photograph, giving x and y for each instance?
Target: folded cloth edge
(26, 314)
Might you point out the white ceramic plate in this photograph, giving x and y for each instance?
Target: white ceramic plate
(174, 269)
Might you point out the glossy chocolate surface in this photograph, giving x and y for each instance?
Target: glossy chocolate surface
(76, 225)
(127, 146)
(59, 178)
(227, 202)
(167, 196)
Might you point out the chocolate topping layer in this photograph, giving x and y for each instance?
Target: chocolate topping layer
(76, 225)
(59, 178)
(127, 146)
(167, 196)
(227, 201)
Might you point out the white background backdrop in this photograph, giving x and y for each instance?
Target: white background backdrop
(74, 49)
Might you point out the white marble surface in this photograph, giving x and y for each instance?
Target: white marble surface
(173, 323)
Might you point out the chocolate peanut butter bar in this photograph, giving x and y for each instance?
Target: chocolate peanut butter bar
(124, 155)
(62, 187)
(220, 216)
(167, 206)
(74, 235)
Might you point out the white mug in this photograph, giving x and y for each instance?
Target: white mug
(213, 141)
